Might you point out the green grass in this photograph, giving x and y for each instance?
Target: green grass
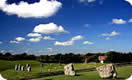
(7, 69)
(123, 73)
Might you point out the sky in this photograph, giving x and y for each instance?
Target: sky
(64, 26)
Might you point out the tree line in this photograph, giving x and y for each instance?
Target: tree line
(112, 56)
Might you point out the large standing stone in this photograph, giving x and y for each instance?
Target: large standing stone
(130, 78)
(22, 68)
(29, 68)
(19, 67)
(1, 77)
(69, 70)
(27, 65)
(16, 67)
(107, 71)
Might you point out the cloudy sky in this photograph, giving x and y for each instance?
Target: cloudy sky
(62, 26)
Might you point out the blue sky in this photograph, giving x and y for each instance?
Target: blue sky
(63, 26)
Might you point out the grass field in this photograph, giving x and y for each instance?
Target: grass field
(123, 73)
(7, 70)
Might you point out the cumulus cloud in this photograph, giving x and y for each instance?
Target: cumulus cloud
(48, 38)
(107, 38)
(130, 20)
(88, 1)
(86, 25)
(1, 42)
(44, 8)
(14, 42)
(50, 49)
(50, 28)
(67, 43)
(79, 37)
(88, 42)
(70, 42)
(130, 1)
(34, 35)
(20, 39)
(113, 33)
(37, 39)
(2, 51)
(17, 40)
(118, 21)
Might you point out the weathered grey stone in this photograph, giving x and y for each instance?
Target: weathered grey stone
(130, 78)
(27, 65)
(107, 71)
(22, 68)
(19, 67)
(49, 70)
(69, 70)
(1, 77)
(29, 68)
(16, 67)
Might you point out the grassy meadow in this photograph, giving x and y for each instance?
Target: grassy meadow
(7, 70)
(123, 73)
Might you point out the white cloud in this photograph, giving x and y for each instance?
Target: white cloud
(35, 39)
(130, 20)
(14, 42)
(1, 42)
(2, 51)
(67, 43)
(88, 1)
(88, 42)
(50, 28)
(34, 35)
(50, 49)
(48, 38)
(118, 21)
(107, 38)
(130, 1)
(20, 39)
(79, 37)
(70, 42)
(113, 33)
(17, 40)
(86, 25)
(44, 8)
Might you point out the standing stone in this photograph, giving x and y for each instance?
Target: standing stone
(130, 78)
(27, 65)
(41, 67)
(16, 67)
(107, 71)
(1, 77)
(22, 68)
(49, 70)
(19, 67)
(29, 68)
(69, 70)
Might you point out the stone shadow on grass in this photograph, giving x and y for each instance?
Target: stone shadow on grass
(48, 79)
(120, 78)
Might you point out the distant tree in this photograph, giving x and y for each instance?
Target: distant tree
(8, 56)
